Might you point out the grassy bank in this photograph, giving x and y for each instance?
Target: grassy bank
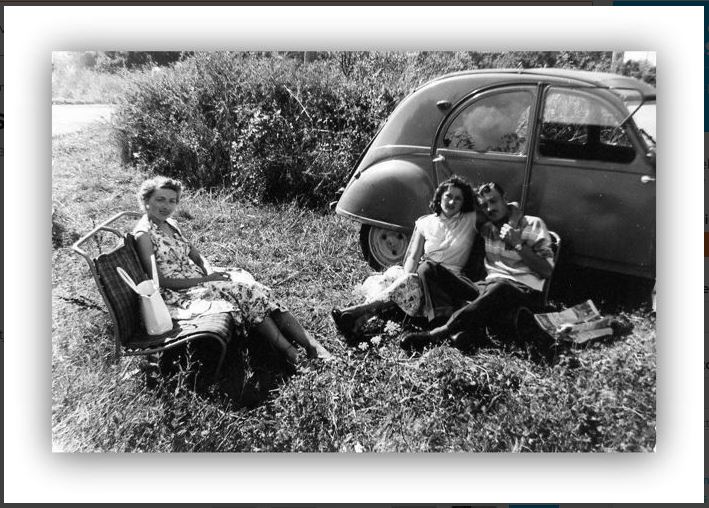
(74, 83)
(368, 399)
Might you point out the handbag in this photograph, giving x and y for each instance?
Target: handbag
(156, 317)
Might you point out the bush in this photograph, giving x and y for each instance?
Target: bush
(114, 61)
(262, 127)
(285, 127)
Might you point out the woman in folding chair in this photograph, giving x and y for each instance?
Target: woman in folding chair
(190, 287)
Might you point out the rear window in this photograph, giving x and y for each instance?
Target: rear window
(646, 118)
(578, 125)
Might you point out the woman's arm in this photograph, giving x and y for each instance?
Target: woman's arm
(193, 253)
(414, 252)
(200, 260)
(145, 250)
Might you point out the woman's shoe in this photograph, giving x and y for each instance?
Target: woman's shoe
(344, 322)
(318, 352)
(298, 365)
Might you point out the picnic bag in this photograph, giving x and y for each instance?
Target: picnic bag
(156, 317)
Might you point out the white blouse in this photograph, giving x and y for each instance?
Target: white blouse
(448, 241)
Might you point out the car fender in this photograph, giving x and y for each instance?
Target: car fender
(390, 194)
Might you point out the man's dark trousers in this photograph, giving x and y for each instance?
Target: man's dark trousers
(481, 301)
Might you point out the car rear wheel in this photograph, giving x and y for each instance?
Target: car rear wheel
(381, 247)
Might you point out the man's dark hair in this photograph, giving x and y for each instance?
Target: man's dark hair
(469, 201)
(488, 187)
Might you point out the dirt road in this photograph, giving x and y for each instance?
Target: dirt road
(68, 118)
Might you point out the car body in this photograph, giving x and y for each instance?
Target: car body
(562, 143)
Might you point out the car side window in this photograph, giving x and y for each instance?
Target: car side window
(577, 125)
(495, 123)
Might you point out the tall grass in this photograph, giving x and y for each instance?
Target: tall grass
(372, 398)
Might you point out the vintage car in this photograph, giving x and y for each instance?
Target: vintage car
(562, 143)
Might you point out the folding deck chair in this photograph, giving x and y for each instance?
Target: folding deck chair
(123, 304)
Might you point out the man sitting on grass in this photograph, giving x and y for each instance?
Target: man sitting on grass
(518, 257)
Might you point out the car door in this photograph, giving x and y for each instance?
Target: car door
(485, 137)
(593, 182)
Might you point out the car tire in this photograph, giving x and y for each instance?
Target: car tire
(382, 247)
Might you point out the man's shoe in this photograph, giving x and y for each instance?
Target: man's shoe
(463, 341)
(621, 327)
(416, 341)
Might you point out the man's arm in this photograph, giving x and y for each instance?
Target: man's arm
(535, 262)
(530, 254)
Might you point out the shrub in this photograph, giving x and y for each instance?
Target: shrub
(285, 127)
(264, 127)
(62, 230)
(114, 61)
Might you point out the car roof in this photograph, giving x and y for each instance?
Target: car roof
(414, 121)
(601, 79)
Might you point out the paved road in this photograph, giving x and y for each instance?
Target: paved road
(68, 118)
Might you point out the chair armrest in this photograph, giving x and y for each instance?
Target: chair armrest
(104, 226)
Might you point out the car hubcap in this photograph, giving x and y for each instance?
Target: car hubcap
(386, 246)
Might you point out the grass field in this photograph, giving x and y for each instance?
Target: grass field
(601, 398)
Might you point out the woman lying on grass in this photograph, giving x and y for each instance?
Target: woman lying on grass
(441, 240)
(190, 287)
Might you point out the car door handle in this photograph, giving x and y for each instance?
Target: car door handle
(647, 179)
(439, 158)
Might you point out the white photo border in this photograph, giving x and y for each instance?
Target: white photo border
(671, 474)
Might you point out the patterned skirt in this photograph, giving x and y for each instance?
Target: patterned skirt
(394, 285)
(249, 301)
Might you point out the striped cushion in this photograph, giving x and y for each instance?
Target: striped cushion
(125, 303)
(219, 324)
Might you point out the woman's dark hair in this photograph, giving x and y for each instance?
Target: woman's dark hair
(469, 201)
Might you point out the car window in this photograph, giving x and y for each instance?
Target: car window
(494, 123)
(646, 119)
(578, 125)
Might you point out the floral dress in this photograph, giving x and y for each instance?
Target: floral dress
(394, 285)
(248, 301)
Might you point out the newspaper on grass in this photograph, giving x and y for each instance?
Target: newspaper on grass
(578, 324)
